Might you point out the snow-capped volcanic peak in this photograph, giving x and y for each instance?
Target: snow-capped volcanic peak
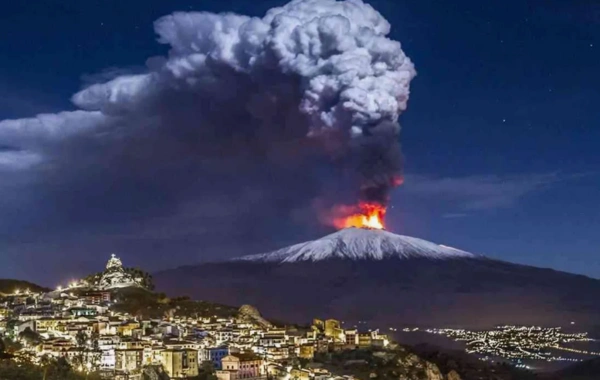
(361, 244)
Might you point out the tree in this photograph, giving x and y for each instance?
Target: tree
(146, 278)
(95, 354)
(30, 337)
(3, 353)
(9, 370)
(93, 279)
(11, 346)
(88, 353)
(10, 327)
(60, 368)
(79, 360)
(81, 338)
(45, 363)
(206, 371)
(49, 369)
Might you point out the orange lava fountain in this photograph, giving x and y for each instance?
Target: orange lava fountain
(368, 215)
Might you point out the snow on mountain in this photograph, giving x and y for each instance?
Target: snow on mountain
(360, 244)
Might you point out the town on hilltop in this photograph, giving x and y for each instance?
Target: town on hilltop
(111, 325)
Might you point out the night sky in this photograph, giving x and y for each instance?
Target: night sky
(500, 141)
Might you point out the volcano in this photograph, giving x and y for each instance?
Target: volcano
(360, 244)
(387, 279)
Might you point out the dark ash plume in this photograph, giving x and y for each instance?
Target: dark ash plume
(244, 117)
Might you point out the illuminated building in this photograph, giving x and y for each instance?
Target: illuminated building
(180, 363)
(129, 359)
(96, 298)
(306, 351)
(333, 330)
(241, 366)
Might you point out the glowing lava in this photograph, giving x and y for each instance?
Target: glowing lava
(367, 215)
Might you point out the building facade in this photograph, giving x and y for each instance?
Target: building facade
(241, 366)
(129, 360)
(180, 363)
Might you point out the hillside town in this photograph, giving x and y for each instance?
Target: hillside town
(85, 324)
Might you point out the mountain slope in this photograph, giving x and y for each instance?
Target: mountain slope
(360, 244)
(391, 280)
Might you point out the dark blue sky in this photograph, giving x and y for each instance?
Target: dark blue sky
(500, 139)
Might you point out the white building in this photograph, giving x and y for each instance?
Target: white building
(108, 344)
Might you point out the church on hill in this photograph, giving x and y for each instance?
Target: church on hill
(114, 276)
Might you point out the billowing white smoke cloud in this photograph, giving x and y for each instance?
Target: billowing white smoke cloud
(236, 95)
(352, 75)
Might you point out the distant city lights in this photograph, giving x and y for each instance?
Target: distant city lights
(518, 342)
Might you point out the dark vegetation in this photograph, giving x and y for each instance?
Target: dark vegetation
(4, 354)
(30, 337)
(146, 304)
(49, 369)
(8, 286)
(206, 371)
(393, 364)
